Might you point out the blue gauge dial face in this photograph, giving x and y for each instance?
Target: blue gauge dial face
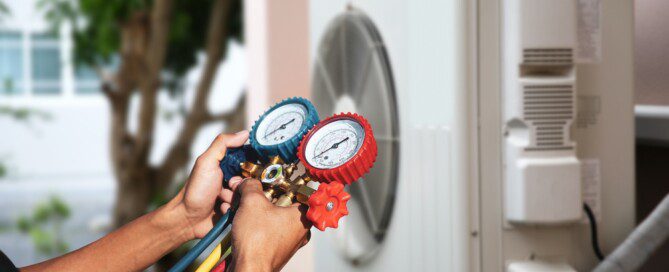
(334, 144)
(281, 124)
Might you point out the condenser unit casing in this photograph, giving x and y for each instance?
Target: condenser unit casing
(482, 151)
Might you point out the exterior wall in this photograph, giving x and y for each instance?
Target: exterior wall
(651, 60)
(277, 43)
(278, 52)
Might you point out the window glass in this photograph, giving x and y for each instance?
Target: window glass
(46, 64)
(11, 63)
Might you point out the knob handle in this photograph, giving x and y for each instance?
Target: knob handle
(327, 205)
(234, 157)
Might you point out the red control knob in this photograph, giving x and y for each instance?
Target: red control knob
(340, 148)
(327, 205)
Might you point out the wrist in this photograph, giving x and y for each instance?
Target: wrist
(172, 219)
(249, 263)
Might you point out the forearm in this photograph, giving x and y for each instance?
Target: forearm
(133, 247)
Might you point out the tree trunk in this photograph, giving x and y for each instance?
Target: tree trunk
(143, 47)
(133, 196)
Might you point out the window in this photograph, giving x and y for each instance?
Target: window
(33, 63)
(46, 64)
(11, 63)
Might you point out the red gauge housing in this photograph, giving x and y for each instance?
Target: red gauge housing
(356, 166)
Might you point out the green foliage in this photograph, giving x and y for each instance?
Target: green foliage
(44, 226)
(24, 114)
(98, 24)
(3, 169)
(4, 10)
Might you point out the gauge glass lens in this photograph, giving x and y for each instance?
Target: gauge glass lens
(281, 124)
(334, 144)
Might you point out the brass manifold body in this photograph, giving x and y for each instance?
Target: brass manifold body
(279, 185)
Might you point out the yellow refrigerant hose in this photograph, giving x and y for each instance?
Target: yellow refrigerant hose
(211, 260)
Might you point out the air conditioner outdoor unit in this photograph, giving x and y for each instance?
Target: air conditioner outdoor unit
(493, 128)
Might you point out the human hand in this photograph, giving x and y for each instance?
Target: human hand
(264, 236)
(198, 197)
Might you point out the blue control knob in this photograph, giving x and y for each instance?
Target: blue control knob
(280, 129)
(234, 157)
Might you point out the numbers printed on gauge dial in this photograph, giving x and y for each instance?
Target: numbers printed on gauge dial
(281, 124)
(334, 144)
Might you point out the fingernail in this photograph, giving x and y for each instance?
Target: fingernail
(243, 132)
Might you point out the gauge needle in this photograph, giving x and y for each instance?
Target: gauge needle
(280, 127)
(336, 145)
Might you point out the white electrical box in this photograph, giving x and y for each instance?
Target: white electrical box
(541, 172)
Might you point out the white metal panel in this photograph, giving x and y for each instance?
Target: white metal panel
(428, 47)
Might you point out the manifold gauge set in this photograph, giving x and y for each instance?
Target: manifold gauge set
(298, 158)
(333, 153)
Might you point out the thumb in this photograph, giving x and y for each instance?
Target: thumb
(237, 139)
(249, 186)
(223, 141)
(248, 192)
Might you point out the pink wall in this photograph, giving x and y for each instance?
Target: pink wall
(277, 42)
(277, 46)
(651, 53)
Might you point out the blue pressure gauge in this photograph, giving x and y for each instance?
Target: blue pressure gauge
(279, 130)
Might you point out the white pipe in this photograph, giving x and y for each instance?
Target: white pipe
(641, 244)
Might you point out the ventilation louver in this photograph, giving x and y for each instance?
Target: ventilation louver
(548, 56)
(548, 109)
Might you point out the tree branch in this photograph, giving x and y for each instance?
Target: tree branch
(125, 81)
(217, 37)
(107, 85)
(158, 35)
(154, 61)
(134, 42)
(216, 46)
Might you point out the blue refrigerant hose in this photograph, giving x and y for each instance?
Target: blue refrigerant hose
(230, 167)
(203, 244)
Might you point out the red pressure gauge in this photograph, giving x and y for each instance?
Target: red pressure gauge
(336, 152)
(340, 148)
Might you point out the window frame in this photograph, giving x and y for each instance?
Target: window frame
(68, 83)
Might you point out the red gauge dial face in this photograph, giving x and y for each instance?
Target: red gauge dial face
(334, 144)
(341, 143)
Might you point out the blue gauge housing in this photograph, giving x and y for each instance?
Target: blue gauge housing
(234, 157)
(286, 150)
